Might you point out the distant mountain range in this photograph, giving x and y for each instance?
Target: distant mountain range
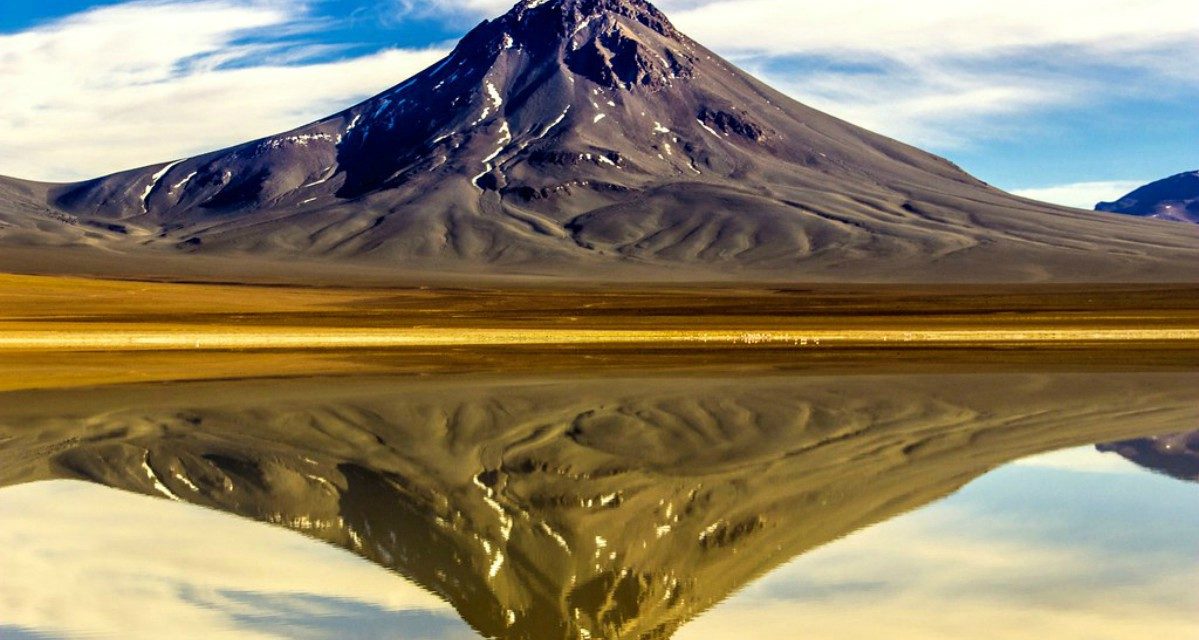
(582, 139)
(1175, 198)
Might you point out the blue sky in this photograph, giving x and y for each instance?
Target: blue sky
(1069, 100)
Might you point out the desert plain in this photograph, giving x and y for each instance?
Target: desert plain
(65, 330)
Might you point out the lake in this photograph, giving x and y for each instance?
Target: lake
(875, 498)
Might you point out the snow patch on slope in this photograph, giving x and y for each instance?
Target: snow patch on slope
(154, 183)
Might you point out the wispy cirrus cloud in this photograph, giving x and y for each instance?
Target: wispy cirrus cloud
(142, 82)
(427, 8)
(922, 29)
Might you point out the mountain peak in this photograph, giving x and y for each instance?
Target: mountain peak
(578, 10)
(614, 43)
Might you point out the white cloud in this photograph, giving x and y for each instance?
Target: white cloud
(144, 82)
(1083, 195)
(926, 28)
(425, 8)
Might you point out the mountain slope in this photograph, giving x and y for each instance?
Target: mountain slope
(588, 138)
(1175, 198)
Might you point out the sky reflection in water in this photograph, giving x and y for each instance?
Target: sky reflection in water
(1071, 545)
(1076, 544)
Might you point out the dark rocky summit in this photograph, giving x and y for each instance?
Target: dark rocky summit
(586, 139)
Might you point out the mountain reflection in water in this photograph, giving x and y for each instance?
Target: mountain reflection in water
(603, 507)
(1175, 455)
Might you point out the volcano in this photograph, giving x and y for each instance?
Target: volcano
(585, 139)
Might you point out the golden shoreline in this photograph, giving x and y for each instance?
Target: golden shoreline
(332, 338)
(56, 315)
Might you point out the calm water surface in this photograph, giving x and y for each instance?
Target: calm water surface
(863, 505)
